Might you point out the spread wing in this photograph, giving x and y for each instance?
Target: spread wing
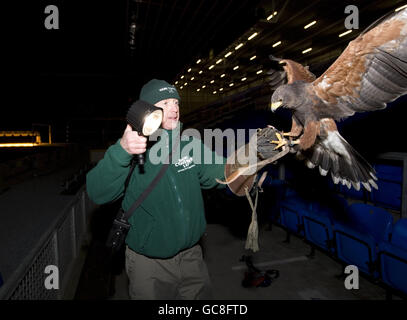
(371, 72)
(293, 71)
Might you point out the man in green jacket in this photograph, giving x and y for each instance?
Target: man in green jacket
(163, 257)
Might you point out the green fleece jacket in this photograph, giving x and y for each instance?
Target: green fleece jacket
(172, 217)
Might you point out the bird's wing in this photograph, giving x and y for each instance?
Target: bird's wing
(293, 71)
(371, 71)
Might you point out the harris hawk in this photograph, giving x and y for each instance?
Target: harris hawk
(369, 73)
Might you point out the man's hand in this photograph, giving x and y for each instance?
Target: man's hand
(132, 142)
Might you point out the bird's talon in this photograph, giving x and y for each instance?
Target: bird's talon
(280, 142)
(279, 145)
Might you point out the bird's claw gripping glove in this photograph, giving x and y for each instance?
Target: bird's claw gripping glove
(242, 165)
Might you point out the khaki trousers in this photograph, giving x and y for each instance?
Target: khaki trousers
(184, 276)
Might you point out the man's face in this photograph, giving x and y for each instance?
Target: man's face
(171, 113)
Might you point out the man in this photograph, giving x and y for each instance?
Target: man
(163, 257)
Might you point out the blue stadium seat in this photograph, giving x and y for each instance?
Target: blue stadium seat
(389, 193)
(318, 222)
(393, 257)
(352, 193)
(291, 211)
(318, 229)
(358, 235)
(389, 172)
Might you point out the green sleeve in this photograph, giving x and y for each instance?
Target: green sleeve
(105, 182)
(209, 172)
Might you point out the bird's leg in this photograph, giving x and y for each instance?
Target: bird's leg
(280, 142)
(296, 129)
(307, 139)
(293, 142)
(289, 134)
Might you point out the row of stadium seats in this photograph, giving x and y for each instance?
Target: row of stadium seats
(358, 234)
(389, 185)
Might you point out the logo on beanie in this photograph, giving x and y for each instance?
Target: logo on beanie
(169, 89)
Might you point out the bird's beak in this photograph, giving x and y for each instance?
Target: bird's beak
(276, 105)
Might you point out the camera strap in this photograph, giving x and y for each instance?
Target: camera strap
(126, 215)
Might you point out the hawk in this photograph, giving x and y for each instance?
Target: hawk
(369, 73)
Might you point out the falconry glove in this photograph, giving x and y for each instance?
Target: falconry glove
(266, 147)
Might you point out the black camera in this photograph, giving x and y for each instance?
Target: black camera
(118, 232)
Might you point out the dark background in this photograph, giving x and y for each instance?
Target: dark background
(86, 74)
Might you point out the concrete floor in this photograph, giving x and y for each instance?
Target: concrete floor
(301, 278)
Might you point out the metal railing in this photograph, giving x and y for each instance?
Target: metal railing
(60, 247)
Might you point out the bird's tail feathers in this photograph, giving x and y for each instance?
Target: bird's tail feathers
(344, 163)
